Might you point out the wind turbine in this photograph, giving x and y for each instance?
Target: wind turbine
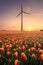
(22, 11)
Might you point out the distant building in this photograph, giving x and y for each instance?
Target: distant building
(41, 30)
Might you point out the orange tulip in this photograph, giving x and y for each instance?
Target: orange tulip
(33, 49)
(1, 50)
(41, 51)
(29, 50)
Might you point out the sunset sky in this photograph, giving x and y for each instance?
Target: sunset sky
(10, 8)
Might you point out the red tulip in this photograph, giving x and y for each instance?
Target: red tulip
(39, 45)
(41, 57)
(14, 50)
(0, 41)
(16, 55)
(23, 56)
(19, 48)
(16, 62)
(26, 46)
(33, 56)
(8, 53)
(23, 48)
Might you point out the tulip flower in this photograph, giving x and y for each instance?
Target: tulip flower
(16, 62)
(23, 56)
(8, 53)
(41, 57)
(1, 50)
(16, 55)
(33, 56)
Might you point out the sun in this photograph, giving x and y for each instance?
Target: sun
(30, 28)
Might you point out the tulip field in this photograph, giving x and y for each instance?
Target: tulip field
(21, 48)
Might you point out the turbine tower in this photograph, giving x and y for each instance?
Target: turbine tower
(22, 11)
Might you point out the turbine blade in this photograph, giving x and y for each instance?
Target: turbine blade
(21, 7)
(26, 12)
(18, 14)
